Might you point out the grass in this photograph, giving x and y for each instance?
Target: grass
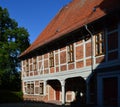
(7, 96)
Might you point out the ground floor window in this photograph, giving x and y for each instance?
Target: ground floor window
(36, 88)
(41, 88)
(30, 88)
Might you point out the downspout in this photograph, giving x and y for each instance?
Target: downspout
(86, 27)
(87, 91)
(91, 35)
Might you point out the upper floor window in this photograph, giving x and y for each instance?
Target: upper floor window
(34, 63)
(27, 65)
(99, 43)
(30, 64)
(70, 50)
(51, 59)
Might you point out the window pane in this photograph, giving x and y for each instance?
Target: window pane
(28, 88)
(97, 38)
(101, 36)
(32, 88)
(26, 65)
(99, 43)
(70, 53)
(96, 49)
(101, 49)
(41, 88)
(51, 59)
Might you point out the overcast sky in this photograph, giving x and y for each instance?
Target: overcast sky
(34, 15)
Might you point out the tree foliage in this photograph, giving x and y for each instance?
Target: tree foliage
(13, 41)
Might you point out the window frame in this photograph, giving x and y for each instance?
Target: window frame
(27, 65)
(35, 63)
(70, 53)
(41, 88)
(30, 88)
(51, 59)
(100, 44)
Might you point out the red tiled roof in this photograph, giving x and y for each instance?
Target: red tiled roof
(72, 16)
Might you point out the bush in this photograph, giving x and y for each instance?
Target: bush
(7, 96)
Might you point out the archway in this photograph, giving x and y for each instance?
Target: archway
(77, 86)
(55, 86)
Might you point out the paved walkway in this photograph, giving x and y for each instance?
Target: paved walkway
(31, 105)
(42, 104)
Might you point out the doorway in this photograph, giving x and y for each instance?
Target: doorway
(57, 95)
(110, 91)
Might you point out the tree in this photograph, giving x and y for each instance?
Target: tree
(13, 41)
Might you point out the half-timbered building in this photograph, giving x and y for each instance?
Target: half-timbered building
(76, 55)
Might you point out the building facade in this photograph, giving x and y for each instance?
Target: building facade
(73, 59)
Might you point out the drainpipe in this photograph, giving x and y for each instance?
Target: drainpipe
(91, 35)
(87, 91)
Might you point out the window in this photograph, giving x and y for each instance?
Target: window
(30, 61)
(30, 88)
(70, 53)
(34, 63)
(27, 65)
(41, 88)
(99, 43)
(51, 58)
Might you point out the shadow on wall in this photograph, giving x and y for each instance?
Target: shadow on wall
(107, 7)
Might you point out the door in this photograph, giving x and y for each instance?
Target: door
(57, 95)
(110, 91)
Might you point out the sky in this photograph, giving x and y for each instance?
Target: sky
(33, 15)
